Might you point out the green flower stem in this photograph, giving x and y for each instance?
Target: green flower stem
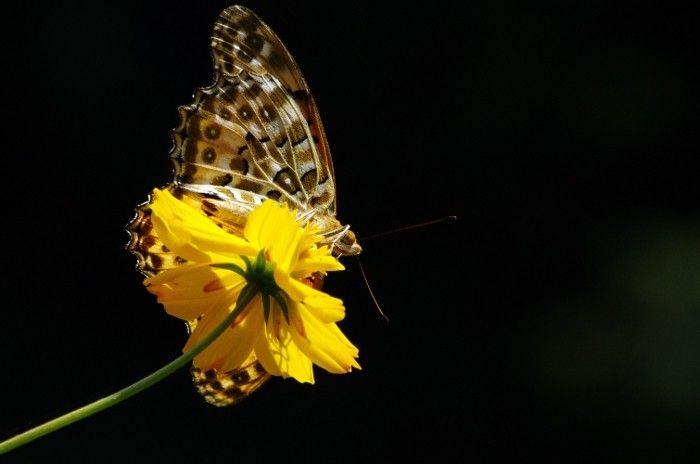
(131, 390)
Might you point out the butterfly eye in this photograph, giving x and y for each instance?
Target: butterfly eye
(347, 244)
(349, 237)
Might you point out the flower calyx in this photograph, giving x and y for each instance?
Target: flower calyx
(260, 277)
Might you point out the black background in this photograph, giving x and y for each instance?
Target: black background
(558, 318)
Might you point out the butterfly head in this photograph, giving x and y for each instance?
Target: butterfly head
(339, 238)
(347, 244)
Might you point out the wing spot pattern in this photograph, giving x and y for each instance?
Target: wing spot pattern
(209, 155)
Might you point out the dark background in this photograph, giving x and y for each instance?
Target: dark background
(558, 318)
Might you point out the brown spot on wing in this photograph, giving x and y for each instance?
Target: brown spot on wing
(209, 155)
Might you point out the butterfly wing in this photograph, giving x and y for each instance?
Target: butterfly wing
(255, 133)
(260, 52)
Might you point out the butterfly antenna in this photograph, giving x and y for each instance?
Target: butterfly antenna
(413, 226)
(369, 288)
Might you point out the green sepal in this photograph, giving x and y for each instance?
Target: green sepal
(248, 264)
(259, 276)
(245, 294)
(260, 261)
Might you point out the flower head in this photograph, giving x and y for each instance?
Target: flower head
(289, 325)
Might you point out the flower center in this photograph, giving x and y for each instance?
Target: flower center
(260, 278)
(261, 273)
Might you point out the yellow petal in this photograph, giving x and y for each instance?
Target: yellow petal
(340, 336)
(174, 273)
(324, 307)
(288, 285)
(193, 275)
(192, 235)
(189, 291)
(232, 347)
(188, 309)
(284, 248)
(207, 323)
(256, 227)
(279, 355)
(310, 237)
(246, 333)
(274, 227)
(321, 343)
(264, 354)
(317, 263)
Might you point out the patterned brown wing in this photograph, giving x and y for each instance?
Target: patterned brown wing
(151, 254)
(257, 50)
(229, 388)
(256, 130)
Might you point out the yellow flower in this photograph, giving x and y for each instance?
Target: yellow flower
(288, 325)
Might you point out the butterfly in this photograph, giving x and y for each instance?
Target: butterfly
(254, 134)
